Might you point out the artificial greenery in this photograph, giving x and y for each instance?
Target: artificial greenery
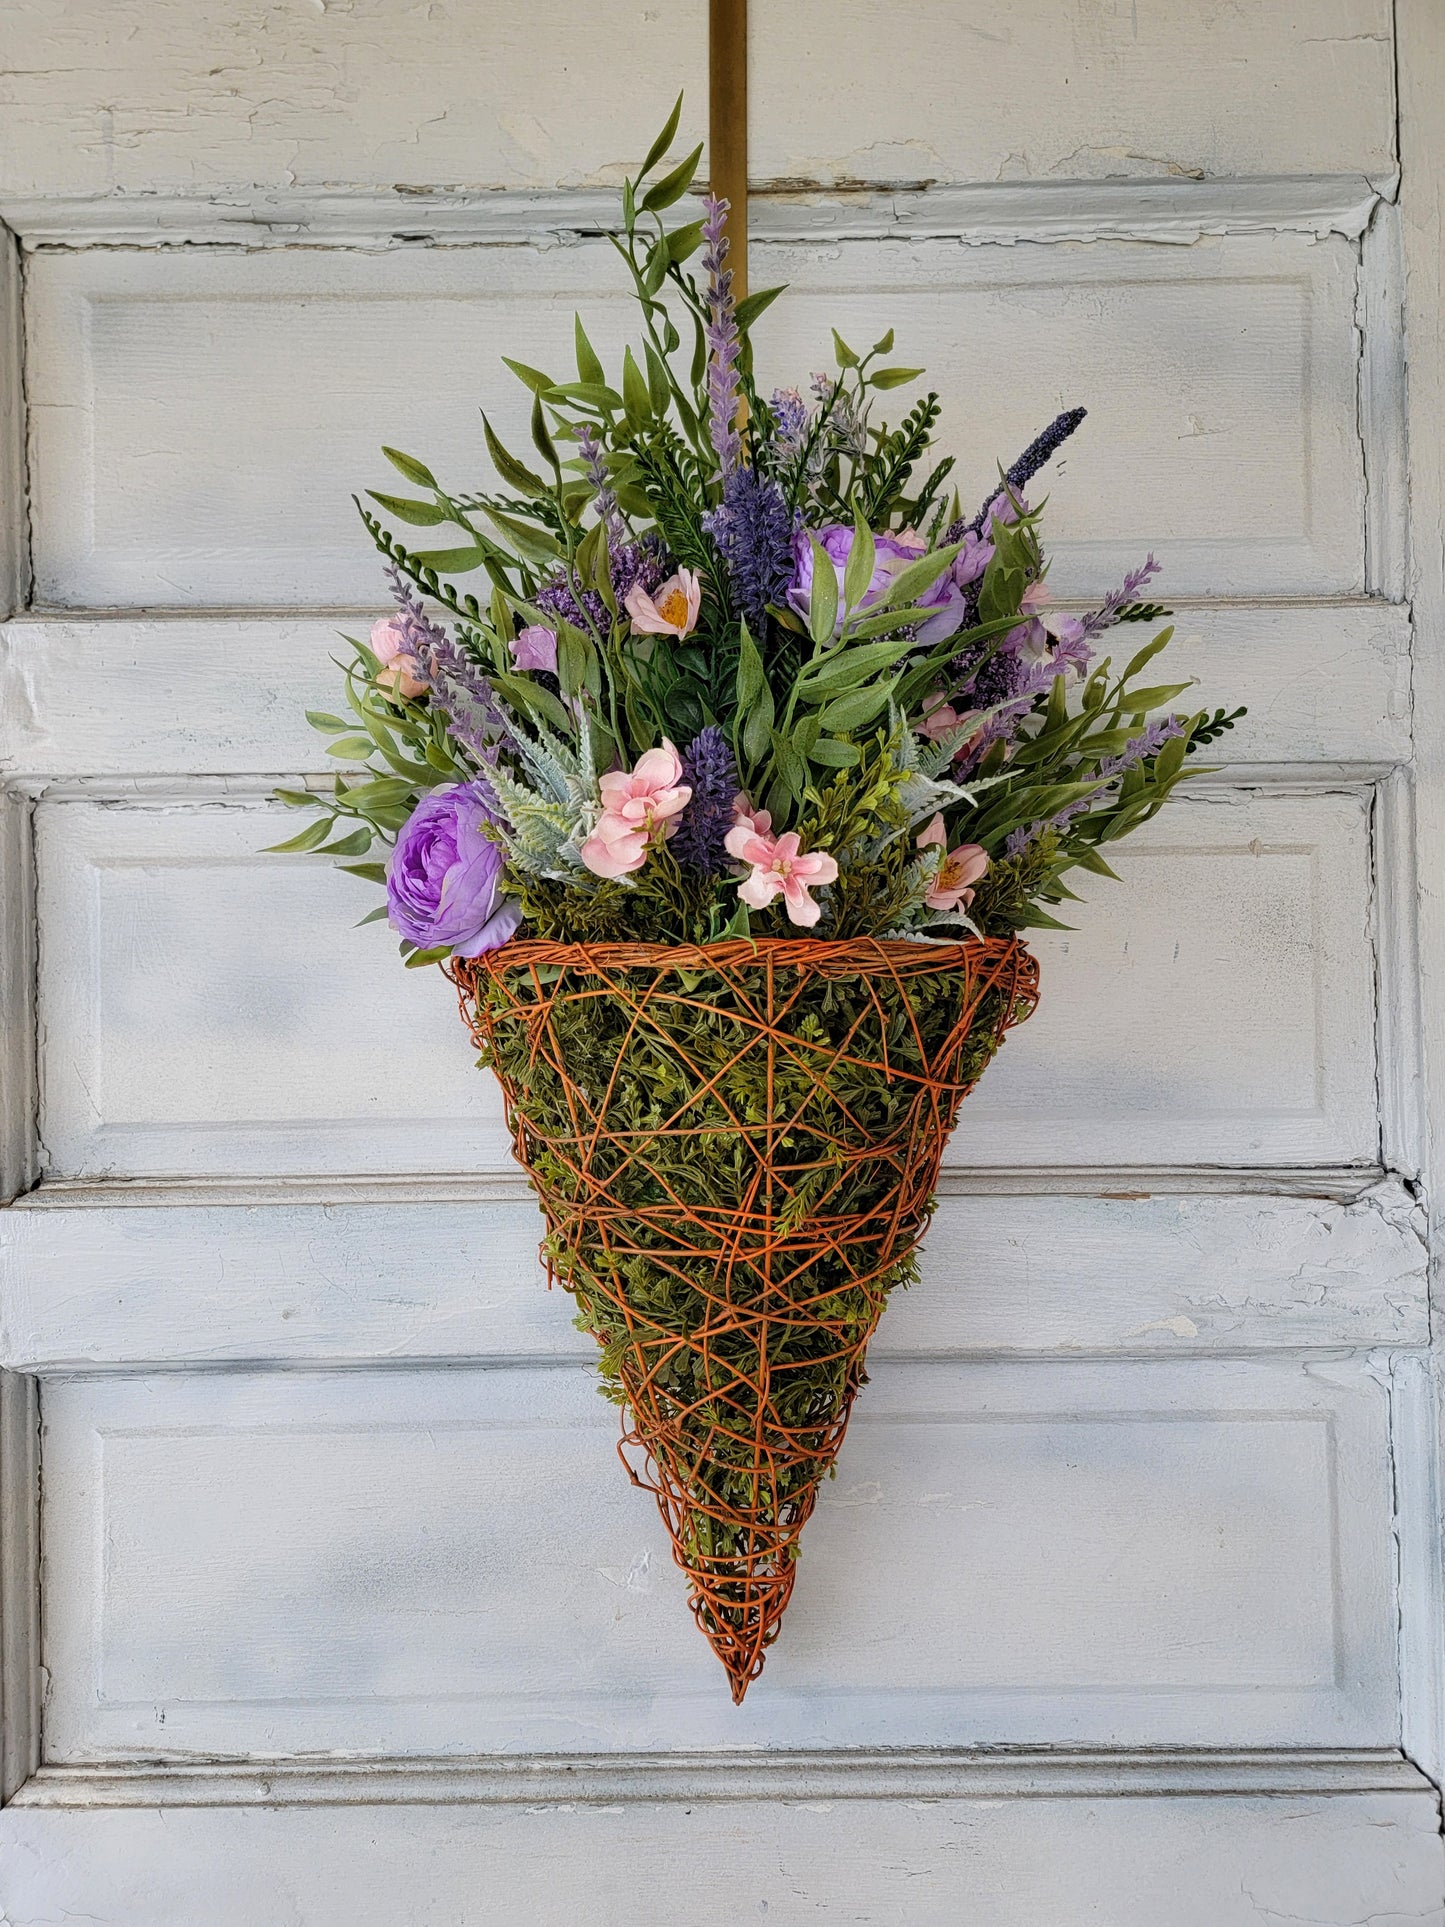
(853, 628)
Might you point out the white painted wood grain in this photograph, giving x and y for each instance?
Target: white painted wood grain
(1422, 223)
(444, 1562)
(1212, 1862)
(1221, 377)
(208, 1009)
(201, 1021)
(1172, 209)
(19, 1145)
(737, 1774)
(85, 1284)
(1325, 682)
(14, 528)
(125, 100)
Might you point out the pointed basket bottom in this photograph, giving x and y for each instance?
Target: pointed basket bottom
(736, 1146)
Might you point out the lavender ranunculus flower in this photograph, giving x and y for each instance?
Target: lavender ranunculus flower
(892, 554)
(443, 883)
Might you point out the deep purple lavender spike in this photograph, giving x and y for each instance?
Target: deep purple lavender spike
(645, 560)
(754, 531)
(1042, 449)
(709, 769)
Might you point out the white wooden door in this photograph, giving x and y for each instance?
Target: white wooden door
(323, 1598)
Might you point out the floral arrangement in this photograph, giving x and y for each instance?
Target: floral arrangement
(745, 689)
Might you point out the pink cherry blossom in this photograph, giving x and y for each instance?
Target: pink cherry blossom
(400, 671)
(536, 648)
(960, 869)
(671, 610)
(634, 804)
(779, 868)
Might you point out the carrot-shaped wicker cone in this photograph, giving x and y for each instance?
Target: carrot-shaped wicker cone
(736, 1147)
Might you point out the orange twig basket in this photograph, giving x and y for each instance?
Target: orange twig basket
(735, 1146)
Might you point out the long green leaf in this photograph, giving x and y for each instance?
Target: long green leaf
(823, 597)
(417, 473)
(514, 473)
(664, 140)
(405, 509)
(672, 186)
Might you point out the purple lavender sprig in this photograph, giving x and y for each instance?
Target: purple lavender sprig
(1017, 478)
(708, 767)
(646, 561)
(1148, 743)
(754, 530)
(723, 340)
(605, 499)
(1139, 749)
(1107, 614)
(457, 686)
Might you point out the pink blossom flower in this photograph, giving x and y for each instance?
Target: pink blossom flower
(536, 648)
(634, 804)
(400, 671)
(779, 868)
(941, 720)
(960, 869)
(671, 610)
(758, 821)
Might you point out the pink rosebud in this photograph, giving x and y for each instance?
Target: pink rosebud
(960, 869)
(400, 672)
(536, 648)
(779, 868)
(671, 611)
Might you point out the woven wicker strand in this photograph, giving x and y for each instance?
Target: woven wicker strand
(733, 1256)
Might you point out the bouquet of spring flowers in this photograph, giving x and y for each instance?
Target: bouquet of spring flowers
(723, 800)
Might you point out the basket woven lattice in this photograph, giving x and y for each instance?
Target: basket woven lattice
(735, 1147)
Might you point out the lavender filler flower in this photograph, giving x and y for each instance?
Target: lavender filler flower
(708, 767)
(458, 687)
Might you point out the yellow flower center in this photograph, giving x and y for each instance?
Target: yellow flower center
(673, 608)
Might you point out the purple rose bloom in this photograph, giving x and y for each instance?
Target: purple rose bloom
(442, 883)
(892, 554)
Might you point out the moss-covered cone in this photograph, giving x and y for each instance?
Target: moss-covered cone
(736, 1148)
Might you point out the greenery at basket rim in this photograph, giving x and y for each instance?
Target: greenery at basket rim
(703, 662)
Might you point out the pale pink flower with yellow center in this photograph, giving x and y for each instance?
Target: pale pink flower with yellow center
(671, 610)
(780, 869)
(961, 868)
(634, 804)
(400, 672)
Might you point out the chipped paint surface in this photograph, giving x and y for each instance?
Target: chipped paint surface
(1147, 1463)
